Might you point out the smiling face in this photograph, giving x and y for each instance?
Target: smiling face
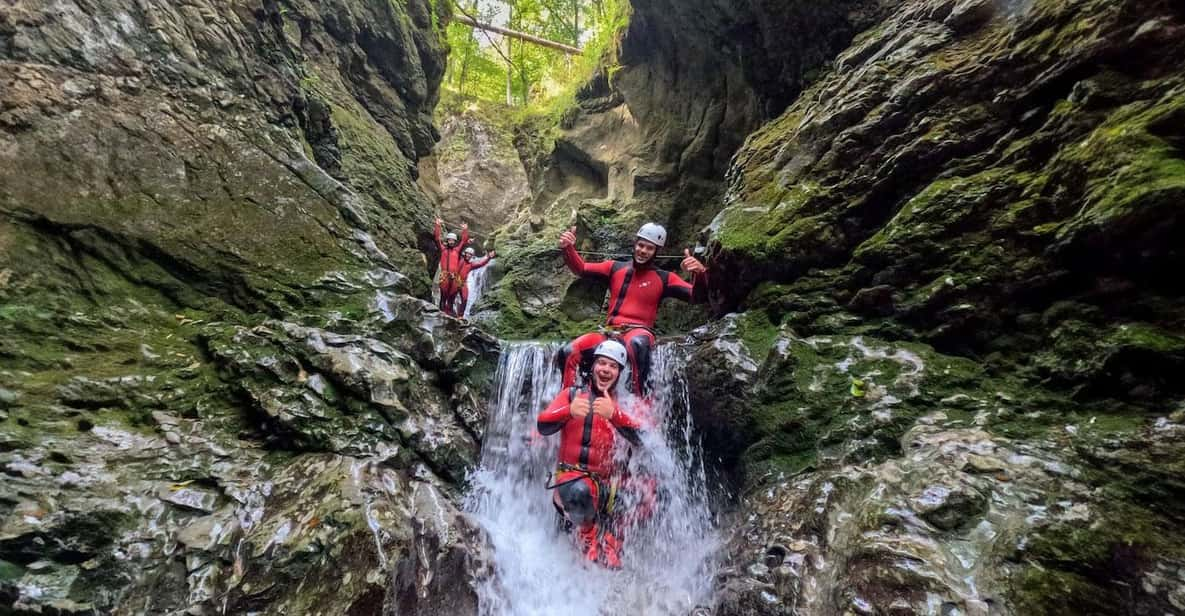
(605, 372)
(644, 251)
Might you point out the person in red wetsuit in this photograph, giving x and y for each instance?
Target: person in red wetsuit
(590, 423)
(450, 266)
(636, 287)
(469, 264)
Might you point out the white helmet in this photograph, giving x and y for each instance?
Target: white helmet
(468, 252)
(653, 233)
(613, 350)
(450, 236)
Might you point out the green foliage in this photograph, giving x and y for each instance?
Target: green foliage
(541, 80)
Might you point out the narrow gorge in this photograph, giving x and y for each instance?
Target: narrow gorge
(936, 372)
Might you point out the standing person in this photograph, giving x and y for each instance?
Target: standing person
(636, 287)
(450, 265)
(469, 265)
(586, 480)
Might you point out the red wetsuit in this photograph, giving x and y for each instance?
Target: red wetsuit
(450, 269)
(634, 295)
(466, 268)
(586, 443)
(586, 478)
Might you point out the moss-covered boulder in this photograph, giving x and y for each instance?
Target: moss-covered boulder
(962, 522)
(775, 403)
(217, 389)
(964, 168)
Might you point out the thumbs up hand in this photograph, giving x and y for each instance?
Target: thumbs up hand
(691, 264)
(604, 407)
(568, 238)
(580, 408)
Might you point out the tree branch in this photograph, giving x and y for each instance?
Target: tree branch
(468, 20)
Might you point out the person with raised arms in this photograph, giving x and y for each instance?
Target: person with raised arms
(636, 287)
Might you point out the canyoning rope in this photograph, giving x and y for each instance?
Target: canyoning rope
(696, 252)
(617, 255)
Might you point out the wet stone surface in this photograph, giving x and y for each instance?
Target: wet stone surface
(918, 535)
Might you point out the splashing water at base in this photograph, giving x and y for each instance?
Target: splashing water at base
(668, 562)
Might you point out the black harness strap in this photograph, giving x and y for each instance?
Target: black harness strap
(625, 286)
(586, 435)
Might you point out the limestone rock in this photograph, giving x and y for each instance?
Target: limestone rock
(481, 179)
(876, 546)
(976, 162)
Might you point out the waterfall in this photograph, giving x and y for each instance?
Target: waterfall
(476, 281)
(669, 561)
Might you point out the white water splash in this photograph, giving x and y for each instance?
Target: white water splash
(476, 281)
(669, 562)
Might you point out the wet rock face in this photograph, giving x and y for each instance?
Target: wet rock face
(883, 477)
(721, 374)
(244, 147)
(771, 402)
(440, 571)
(218, 392)
(963, 523)
(480, 179)
(322, 391)
(700, 76)
(994, 178)
(291, 473)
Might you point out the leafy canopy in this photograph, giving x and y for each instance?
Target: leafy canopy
(493, 67)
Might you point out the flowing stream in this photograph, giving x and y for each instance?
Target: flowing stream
(668, 561)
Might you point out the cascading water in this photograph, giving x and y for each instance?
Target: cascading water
(668, 562)
(476, 281)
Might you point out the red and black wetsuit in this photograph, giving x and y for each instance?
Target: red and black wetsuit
(635, 292)
(450, 270)
(586, 476)
(588, 443)
(466, 268)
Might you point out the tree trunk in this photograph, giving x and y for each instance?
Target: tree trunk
(509, 90)
(576, 23)
(522, 36)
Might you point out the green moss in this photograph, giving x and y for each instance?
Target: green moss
(1147, 337)
(10, 571)
(71, 318)
(757, 332)
(761, 464)
(1134, 176)
(1076, 568)
(1038, 591)
(772, 222)
(770, 138)
(921, 229)
(524, 282)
